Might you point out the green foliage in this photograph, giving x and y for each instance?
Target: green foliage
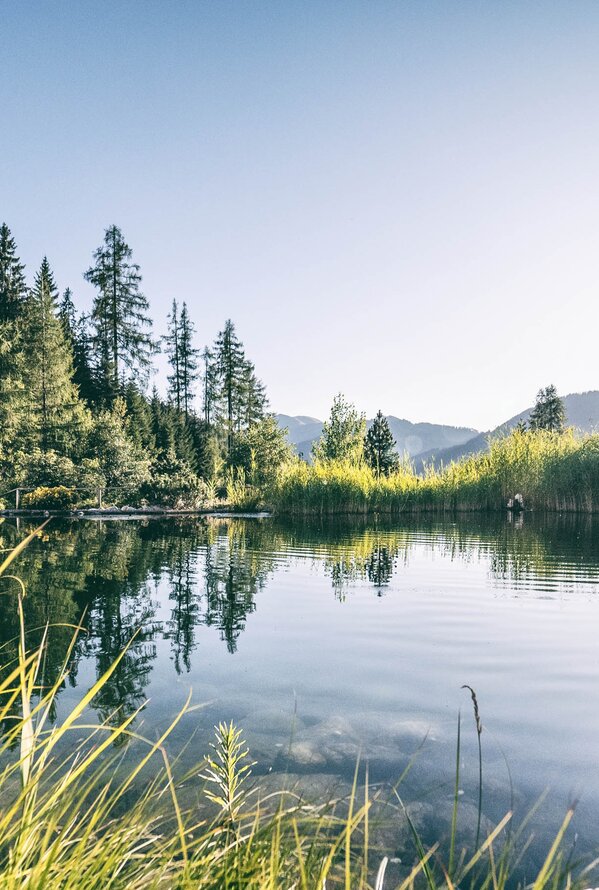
(549, 412)
(173, 484)
(72, 389)
(51, 414)
(13, 289)
(233, 394)
(121, 324)
(379, 446)
(342, 434)
(139, 419)
(260, 450)
(122, 468)
(37, 467)
(183, 358)
(206, 447)
(553, 471)
(44, 498)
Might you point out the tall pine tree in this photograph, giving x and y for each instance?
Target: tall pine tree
(13, 290)
(53, 416)
(379, 446)
(253, 400)
(231, 365)
(67, 314)
(549, 412)
(183, 358)
(13, 293)
(90, 388)
(188, 361)
(122, 326)
(210, 387)
(173, 351)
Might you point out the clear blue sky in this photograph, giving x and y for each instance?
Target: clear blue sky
(396, 200)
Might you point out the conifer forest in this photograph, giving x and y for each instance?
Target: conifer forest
(78, 413)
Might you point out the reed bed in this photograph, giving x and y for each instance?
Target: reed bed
(553, 471)
(73, 816)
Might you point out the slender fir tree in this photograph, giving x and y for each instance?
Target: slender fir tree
(210, 387)
(139, 419)
(173, 351)
(188, 361)
(13, 294)
(253, 401)
(379, 446)
(549, 412)
(183, 358)
(54, 415)
(122, 326)
(67, 314)
(13, 290)
(90, 388)
(231, 365)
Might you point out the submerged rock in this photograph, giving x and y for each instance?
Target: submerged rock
(332, 742)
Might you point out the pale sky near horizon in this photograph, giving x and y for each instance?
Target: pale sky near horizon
(399, 201)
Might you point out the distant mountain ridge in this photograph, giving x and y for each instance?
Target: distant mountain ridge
(437, 443)
(582, 412)
(410, 438)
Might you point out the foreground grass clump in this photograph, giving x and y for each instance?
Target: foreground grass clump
(553, 471)
(72, 816)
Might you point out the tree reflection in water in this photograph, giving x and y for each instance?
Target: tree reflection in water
(111, 578)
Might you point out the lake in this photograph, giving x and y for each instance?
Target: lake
(328, 641)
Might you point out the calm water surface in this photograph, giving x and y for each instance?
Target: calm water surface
(328, 641)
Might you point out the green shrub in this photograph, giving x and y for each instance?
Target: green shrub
(44, 498)
(44, 468)
(173, 484)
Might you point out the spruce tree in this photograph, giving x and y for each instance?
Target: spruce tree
(231, 365)
(67, 314)
(122, 326)
(13, 293)
(549, 412)
(182, 358)
(173, 351)
(13, 290)
(253, 402)
(54, 416)
(379, 446)
(163, 428)
(210, 386)
(139, 421)
(188, 361)
(90, 388)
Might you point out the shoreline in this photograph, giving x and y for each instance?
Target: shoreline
(132, 513)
